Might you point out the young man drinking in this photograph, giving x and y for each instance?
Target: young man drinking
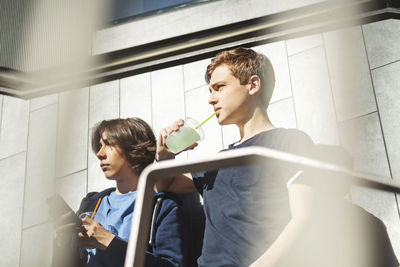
(246, 207)
(254, 213)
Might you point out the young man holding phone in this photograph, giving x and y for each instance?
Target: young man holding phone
(124, 148)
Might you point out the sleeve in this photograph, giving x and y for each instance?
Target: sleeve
(198, 181)
(325, 181)
(202, 180)
(297, 143)
(117, 251)
(170, 238)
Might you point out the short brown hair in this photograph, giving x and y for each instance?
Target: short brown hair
(133, 135)
(243, 63)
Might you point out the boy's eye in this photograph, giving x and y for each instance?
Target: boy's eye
(216, 88)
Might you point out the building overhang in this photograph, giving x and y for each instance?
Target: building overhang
(316, 18)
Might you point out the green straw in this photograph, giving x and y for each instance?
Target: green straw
(205, 120)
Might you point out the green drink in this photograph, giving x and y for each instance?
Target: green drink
(187, 135)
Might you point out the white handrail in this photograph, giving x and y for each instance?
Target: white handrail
(155, 172)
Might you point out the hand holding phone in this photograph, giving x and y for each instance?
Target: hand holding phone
(67, 225)
(60, 210)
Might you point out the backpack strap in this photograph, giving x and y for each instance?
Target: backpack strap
(156, 210)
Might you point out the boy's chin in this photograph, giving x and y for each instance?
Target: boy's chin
(221, 121)
(224, 122)
(110, 177)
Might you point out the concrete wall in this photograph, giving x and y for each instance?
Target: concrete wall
(340, 87)
(186, 20)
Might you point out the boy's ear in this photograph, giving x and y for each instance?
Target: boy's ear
(255, 84)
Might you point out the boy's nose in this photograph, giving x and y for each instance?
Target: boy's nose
(212, 100)
(100, 154)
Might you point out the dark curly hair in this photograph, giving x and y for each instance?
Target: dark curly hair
(133, 135)
(243, 63)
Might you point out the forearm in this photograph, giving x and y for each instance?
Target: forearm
(180, 184)
(301, 199)
(164, 184)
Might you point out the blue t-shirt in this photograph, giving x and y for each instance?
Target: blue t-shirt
(116, 211)
(247, 206)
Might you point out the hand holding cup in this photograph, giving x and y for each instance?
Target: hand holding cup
(186, 135)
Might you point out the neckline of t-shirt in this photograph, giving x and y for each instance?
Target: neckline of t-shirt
(115, 195)
(237, 144)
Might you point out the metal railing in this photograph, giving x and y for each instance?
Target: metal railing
(155, 172)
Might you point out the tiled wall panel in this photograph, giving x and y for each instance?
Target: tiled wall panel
(43, 101)
(136, 97)
(36, 247)
(298, 45)
(387, 89)
(167, 97)
(313, 97)
(1, 111)
(104, 102)
(14, 126)
(230, 135)
(282, 114)
(96, 180)
(104, 105)
(12, 181)
(194, 73)
(383, 205)
(72, 188)
(40, 171)
(362, 137)
(349, 73)
(276, 52)
(72, 133)
(382, 41)
(197, 107)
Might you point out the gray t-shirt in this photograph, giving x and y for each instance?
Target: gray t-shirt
(247, 206)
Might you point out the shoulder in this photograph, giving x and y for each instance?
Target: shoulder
(96, 195)
(167, 208)
(292, 135)
(287, 140)
(299, 142)
(91, 198)
(168, 198)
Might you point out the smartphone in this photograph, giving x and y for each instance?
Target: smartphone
(58, 207)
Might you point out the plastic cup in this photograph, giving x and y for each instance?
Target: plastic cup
(187, 135)
(97, 217)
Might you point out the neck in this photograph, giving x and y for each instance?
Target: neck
(257, 121)
(129, 184)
